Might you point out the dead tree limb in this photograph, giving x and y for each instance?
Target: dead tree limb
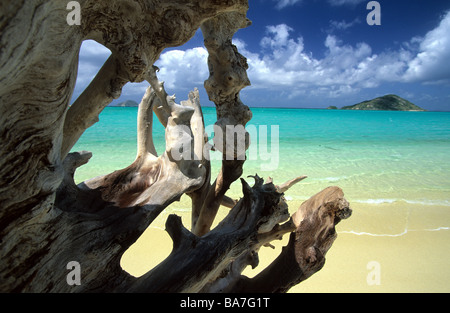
(83, 113)
(47, 222)
(196, 261)
(314, 233)
(228, 76)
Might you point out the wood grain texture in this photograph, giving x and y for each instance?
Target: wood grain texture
(47, 221)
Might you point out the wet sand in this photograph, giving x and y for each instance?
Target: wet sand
(393, 247)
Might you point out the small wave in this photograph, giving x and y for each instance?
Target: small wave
(429, 202)
(421, 202)
(332, 179)
(438, 229)
(373, 235)
(352, 232)
(376, 201)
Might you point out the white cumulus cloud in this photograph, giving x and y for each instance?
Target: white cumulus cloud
(283, 61)
(283, 64)
(183, 69)
(431, 64)
(281, 4)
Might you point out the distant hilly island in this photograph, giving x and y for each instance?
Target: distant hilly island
(385, 103)
(128, 103)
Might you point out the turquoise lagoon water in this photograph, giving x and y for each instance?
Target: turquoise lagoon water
(392, 166)
(376, 157)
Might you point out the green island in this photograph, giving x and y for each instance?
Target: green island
(385, 103)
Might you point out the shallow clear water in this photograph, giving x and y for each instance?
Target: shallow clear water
(374, 156)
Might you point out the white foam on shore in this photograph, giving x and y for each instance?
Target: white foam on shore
(376, 201)
(331, 179)
(393, 235)
(389, 201)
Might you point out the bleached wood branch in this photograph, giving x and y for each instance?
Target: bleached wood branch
(83, 113)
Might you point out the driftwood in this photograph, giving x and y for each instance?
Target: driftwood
(47, 221)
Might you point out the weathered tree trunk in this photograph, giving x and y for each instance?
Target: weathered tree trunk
(46, 221)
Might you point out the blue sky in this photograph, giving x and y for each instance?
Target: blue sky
(317, 53)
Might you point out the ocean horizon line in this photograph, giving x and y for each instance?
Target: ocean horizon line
(301, 108)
